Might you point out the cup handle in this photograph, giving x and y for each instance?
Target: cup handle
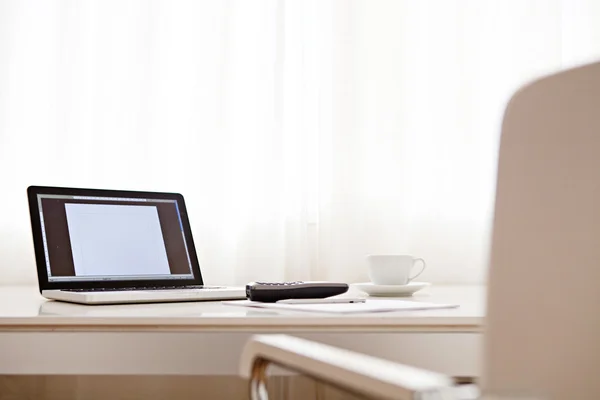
(422, 268)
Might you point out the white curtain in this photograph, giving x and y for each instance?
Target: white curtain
(304, 135)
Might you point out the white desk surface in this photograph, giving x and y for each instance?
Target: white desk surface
(22, 308)
(206, 338)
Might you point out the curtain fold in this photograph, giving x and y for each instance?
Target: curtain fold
(304, 135)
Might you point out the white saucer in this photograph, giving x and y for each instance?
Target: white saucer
(390, 290)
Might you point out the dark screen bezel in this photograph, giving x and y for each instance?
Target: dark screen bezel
(38, 244)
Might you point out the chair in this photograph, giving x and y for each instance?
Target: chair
(542, 334)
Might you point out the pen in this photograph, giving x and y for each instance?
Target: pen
(321, 301)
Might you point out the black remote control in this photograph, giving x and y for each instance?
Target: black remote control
(270, 292)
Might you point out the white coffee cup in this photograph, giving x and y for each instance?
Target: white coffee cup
(393, 269)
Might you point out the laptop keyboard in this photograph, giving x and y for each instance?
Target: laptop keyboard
(142, 288)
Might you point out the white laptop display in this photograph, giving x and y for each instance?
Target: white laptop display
(106, 246)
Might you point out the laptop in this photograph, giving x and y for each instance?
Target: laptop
(95, 246)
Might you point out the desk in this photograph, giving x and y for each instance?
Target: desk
(205, 338)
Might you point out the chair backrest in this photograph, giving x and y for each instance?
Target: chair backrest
(543, 320)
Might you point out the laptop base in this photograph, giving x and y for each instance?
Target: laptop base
(146, 296)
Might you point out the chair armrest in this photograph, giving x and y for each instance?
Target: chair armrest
(345, 369)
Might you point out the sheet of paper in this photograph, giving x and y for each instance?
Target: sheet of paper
(369, 306)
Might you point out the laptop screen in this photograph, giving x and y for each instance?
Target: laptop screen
(91, 238)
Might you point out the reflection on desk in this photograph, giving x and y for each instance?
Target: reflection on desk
(187, 309)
